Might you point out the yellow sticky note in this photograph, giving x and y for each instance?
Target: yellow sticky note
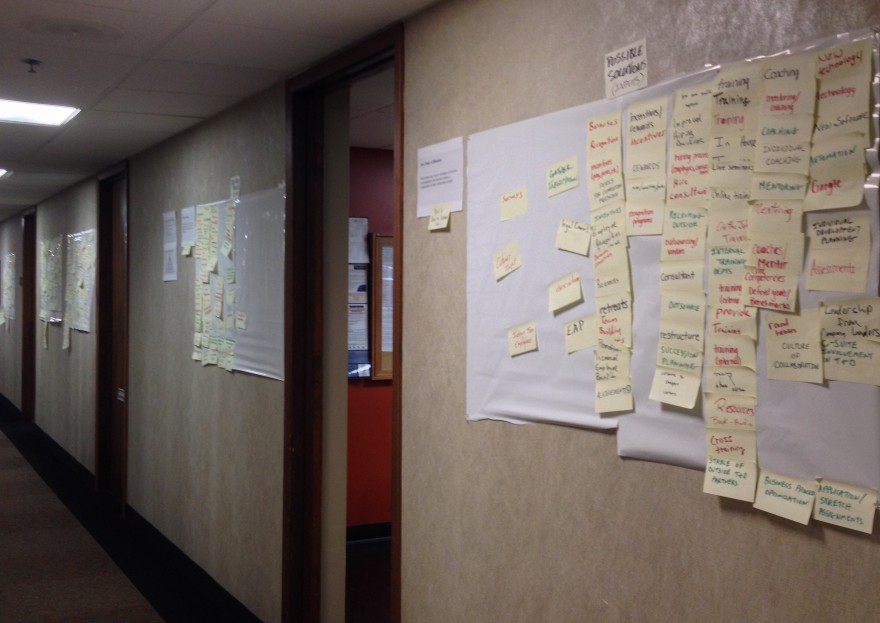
(728, 411)
(580, 334)
(507, 260)
(439, 219)
(573, 236)
(850, 353)
(735, 444)
(522, 338)
(514, 203)
(794, 346)
(779, 186)
(730, 380)
(685, 275)
(675, 388)
(845, 505)
(562, 176)
(791, 498)
(730, 478)
(775, 216)
(614, 395)
(612, 361)
(240, 320)
(732, 350)
(835, 187)
(684, 233)
(565, 292)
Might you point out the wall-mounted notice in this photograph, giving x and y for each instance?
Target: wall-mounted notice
(169, 255)
(9, 283)
(441, 176)
(626, 69)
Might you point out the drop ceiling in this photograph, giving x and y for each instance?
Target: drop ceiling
(144, 70)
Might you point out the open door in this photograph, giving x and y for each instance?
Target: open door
(316, 232)
(111, 449)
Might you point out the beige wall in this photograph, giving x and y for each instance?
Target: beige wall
(65, 383)
(205, 446)
(10, 333)
(544, 523)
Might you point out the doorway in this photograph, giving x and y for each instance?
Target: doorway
(29, 314)
(316, 284)
(111, 444)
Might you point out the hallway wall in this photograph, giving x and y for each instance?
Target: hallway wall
(545, 523)
(205, 453)
(65, 383)
(10, 333)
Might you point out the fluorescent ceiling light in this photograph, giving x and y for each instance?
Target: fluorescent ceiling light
(2, 172)
(42, 114)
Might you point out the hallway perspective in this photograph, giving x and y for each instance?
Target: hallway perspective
(67, 555)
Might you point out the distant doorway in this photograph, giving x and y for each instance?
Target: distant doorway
(29, 314)
(111, 449)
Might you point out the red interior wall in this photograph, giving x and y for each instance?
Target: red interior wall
(369, 402)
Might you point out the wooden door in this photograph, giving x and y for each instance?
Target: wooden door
(112, 417)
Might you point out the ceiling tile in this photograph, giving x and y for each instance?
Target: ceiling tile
(329, 18)
(20, 140)
(165, 103)
(63, 78)
(205, 79)
(238, 45)
(124, 32)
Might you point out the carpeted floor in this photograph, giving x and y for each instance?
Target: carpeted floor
(51, 569)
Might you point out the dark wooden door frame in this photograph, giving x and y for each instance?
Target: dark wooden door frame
(29, 313)
(303, 386)
(112, 256)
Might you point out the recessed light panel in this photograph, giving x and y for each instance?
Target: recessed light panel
(41, 114)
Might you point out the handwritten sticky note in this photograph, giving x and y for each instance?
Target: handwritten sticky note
(794, 346)
(733, 320)
(562, 176)
(612, 361)
(685, 275)
(522, 338)
(730, 380)
(845, 505)
(789, 85)
(514, 203)
(730, 478)
(730, 411)
(439, 219)
(734, 444)
(614, 319)
(609, 226)
(684, 233)
(775, 216)
(779, 186)
(507, 260)
(731, 350)
(688, 307)
(573, 236)
(676, 388)
(240, 320)
(580, 334)
(835, 187)
(785, 496)
(565, 292)
(611, 270)
(230, 275)
(849, 332)
(614, 395)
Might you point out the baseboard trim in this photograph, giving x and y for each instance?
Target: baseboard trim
(175, 586)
